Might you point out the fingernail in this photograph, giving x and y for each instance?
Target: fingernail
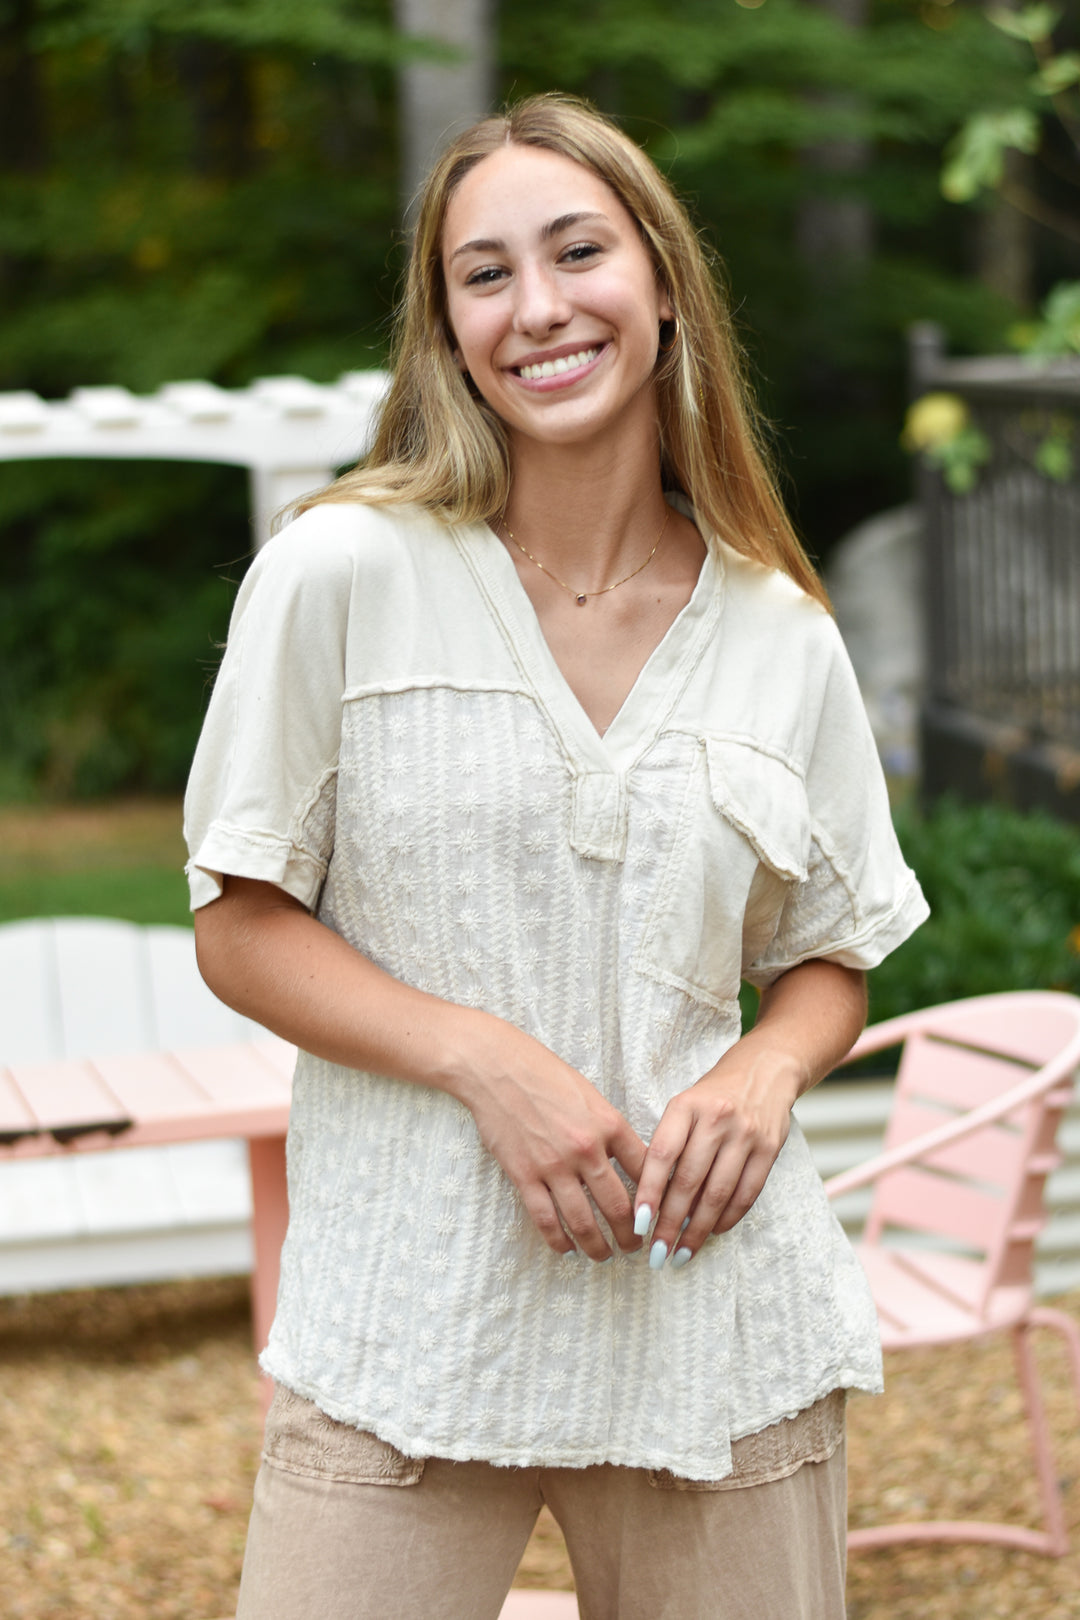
(681, 1257)
(657, 1255)
(685, 1224)
(642, 1220)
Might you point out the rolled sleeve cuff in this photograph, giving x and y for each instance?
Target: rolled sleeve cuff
(265, 856)
(863, 950)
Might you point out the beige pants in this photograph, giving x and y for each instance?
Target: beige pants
(344, 1527)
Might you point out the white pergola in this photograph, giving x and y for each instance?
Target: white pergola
(291, 434)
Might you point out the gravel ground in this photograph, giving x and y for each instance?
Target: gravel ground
(130, 1435)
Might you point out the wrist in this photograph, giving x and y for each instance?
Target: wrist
(473, 1050)
(766, 1071)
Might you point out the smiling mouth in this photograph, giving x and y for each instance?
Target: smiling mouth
(555, 368)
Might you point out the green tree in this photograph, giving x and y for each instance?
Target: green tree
(1041, 122)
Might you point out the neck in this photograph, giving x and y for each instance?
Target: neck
(587, 517)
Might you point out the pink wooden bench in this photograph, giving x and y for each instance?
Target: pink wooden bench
(142, 1099)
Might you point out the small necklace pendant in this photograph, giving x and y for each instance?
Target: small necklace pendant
(581, 601)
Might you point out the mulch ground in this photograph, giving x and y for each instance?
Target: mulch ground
(130, 1434)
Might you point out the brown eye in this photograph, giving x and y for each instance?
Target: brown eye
(581, 251)
(484, 277)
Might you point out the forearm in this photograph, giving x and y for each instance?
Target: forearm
(552, 1132)
(807, 1022)
(263, 954)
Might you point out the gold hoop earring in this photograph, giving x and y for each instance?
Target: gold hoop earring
(676, 324)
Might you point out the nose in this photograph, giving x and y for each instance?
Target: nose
(541, 303)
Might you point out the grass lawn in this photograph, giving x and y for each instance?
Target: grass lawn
(123, 859)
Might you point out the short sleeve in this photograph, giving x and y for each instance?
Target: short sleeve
(260, 797)
(858, 900)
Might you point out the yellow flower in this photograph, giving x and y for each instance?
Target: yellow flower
(1072, 939)
(933, 420)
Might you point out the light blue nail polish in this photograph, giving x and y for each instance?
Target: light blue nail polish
(657, 1255)
(685, 1223)
(642, 1220)
(681, 1257)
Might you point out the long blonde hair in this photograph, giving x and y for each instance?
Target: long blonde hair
(439, 445)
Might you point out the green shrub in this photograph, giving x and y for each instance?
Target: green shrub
(116, 581)
(1004, 893)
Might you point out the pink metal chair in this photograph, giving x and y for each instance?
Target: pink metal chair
(958, 1203)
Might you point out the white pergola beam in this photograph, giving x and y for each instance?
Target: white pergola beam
(291, 434)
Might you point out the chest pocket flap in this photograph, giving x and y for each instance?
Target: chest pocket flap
(766, 800)
(742, 842)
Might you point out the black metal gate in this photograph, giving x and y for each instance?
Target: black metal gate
(1002, 712)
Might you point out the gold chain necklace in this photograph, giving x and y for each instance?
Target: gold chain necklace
(581, 597)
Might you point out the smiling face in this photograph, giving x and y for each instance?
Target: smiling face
(553, 301)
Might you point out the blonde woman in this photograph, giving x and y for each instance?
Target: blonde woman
(533, 739)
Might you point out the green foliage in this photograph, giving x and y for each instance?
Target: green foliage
(976, 159)
(1034, 24)
(115, 589)
(1057, 332)
(1004, 893)
(1041, 115)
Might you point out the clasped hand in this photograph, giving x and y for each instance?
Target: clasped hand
(555, 1137)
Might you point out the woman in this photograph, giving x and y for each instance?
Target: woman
(533, 738)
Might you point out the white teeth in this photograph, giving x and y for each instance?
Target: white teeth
(555, 368)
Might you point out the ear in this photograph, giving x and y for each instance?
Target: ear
(664, 308)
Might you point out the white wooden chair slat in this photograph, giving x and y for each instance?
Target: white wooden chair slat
(104, 987)
(185, 1012)
(211, 1180)
(152, 1196)
(40, 1200)
(31, 1027)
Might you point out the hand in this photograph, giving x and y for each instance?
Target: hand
(555, 1136)
(716, 1143)
(713, 1149)
(550, 1130)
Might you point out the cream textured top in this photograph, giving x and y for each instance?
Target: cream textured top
(391, 741)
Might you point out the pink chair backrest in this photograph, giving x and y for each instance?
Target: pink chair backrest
(981, 1196)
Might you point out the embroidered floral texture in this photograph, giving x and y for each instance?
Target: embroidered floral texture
(450, 814)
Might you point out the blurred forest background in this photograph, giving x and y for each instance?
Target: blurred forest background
(212, 189)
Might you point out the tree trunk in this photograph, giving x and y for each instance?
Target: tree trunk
(1004, 256)
(23, 146)
(438, 99)
(835, 232)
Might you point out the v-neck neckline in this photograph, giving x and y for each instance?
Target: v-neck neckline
(658, 683)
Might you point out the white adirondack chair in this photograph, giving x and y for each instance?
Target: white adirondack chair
(76, 988)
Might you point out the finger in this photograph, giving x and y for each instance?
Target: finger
(613, 1201)
(690, 1176)
(626, 1146)
(746, 1191)
(540, 1208)
(669, 1140)
(579, 1219)
(706, 1219)
(722, 1205)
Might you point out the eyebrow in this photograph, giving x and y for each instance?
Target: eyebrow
(554, 227)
